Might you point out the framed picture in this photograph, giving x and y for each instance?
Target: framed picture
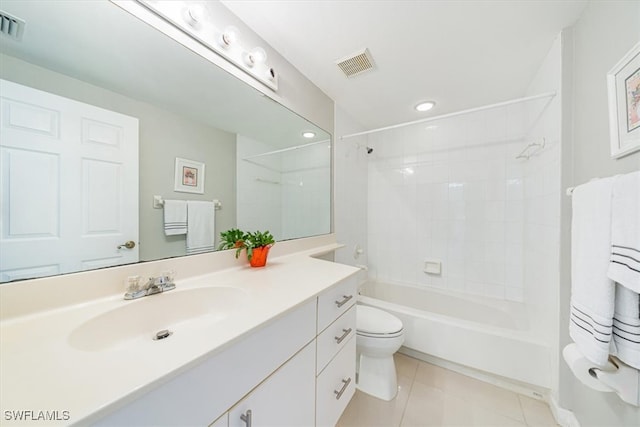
(623, 83)
(189, 176)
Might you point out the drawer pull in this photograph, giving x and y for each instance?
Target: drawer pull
(341, 338)
(345, 300)
(246, 418)
(345, 384)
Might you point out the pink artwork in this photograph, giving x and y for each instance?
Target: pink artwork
(632, 84)
(189, 176)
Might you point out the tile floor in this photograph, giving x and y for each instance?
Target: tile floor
(433, 396)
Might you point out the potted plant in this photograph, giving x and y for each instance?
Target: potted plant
(232, 239)
(258, 245)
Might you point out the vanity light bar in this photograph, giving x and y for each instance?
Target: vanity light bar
(191, 18)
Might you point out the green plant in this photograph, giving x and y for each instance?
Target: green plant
(256, 239)
(232, 238)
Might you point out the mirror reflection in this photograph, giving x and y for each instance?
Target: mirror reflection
(100, 113)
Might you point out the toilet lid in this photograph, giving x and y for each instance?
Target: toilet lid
(374, 321)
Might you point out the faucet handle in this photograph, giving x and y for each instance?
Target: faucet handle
(166, 280)
(132, 284)
(133, 288)
(168, 276)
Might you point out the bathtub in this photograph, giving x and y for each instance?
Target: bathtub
(489, 335)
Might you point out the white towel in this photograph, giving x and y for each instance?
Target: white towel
(592, 292)
(626, 326)
(200, 227)
(624, 266)
(625, 231)
(175, 217)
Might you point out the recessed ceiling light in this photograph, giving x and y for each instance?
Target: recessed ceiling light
(425, 106)
(308, 134)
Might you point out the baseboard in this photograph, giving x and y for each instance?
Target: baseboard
(564, 417)
(525, 389)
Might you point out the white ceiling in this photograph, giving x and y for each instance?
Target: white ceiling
(460, 54)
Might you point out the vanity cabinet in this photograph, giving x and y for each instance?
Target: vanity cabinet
(201, 394)
(299, 370)
(336, 355)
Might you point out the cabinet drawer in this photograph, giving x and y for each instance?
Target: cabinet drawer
(336, 385)
(335, 337)
(335, 301)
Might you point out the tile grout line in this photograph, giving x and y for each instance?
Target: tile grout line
(524, 416)
(487, 407)
(413, 380)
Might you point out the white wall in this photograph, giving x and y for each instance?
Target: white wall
(452, 190)
(602, 35)
(542, 197)
(350, 191)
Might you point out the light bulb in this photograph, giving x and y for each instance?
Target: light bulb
(229, 36)
(193, 14)
(256, 56)
(308, 134)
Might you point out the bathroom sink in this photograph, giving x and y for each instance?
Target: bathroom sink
(143, 318)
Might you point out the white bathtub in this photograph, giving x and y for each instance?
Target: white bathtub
(489, 335)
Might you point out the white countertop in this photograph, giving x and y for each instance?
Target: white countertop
(42, 371)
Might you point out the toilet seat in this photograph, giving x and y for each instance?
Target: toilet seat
(381, 336)
(375, 323)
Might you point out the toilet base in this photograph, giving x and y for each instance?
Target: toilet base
(377, 376)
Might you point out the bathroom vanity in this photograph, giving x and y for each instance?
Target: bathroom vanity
(278, 348)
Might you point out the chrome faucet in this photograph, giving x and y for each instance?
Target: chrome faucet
(154, 285)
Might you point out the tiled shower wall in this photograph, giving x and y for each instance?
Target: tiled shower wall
(452, 191)
(287, 193)
(306, 191)
(260, 207)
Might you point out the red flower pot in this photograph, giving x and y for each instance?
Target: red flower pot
(259, 257)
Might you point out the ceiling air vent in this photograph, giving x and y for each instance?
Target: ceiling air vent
(356, 63)
(11, 26)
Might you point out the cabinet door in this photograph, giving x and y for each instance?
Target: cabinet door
(336, 385)
(286, 398)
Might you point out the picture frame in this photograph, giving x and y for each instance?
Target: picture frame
(189, 176)
(623, 86)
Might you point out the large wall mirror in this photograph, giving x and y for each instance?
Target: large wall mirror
(91, 74)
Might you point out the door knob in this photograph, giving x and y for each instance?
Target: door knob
(129, 245)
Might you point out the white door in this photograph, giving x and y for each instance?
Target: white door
(68, 185)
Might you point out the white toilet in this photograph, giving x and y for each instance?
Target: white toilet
(378, 336)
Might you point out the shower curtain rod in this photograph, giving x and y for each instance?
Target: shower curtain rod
(283, 150)
(457, 113)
